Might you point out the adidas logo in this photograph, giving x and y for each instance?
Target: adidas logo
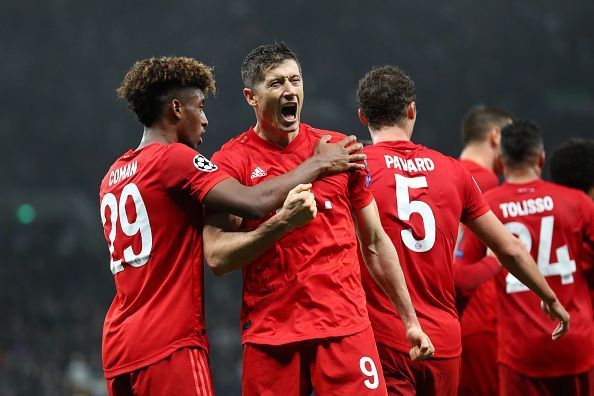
(258, 172)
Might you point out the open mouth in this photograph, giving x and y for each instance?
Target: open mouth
(289, 112)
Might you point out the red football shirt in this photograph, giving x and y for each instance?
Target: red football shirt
(553, 222)
(422, 196)
(308, 284)
(480, 311)
(153, 220)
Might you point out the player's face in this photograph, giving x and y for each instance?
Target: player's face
(194, 122)
(279, 97)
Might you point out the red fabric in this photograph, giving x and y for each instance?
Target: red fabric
(332, 366)
(186, 372)
(158, 307)
(514, 383)
(451, 196)
(524, 332)
(475, 275)
(478, 375)
(484, 177)
(427, 378)
(308, 284)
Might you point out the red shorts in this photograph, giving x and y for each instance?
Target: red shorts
(429, 377)
(186, 372)
(330, 366)
(479, 365)
(513, 383)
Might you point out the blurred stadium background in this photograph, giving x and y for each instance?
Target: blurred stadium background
(61, 127)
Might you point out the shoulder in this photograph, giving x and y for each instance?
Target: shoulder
(318, 133)
(239, 142)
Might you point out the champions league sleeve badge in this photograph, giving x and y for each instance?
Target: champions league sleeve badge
(204, 164)
(367, 176)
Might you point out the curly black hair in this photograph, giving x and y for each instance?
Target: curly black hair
(479, 120)
(572, 164)
(263, 58)
(149, 84)
(383, 95)
(521, 142)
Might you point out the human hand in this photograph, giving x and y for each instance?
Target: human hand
(421, 346)
(341, 156)
(556, 311)
(299, 207)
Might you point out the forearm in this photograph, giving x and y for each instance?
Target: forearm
(521, 265)
(468, 277)
(227, 251)
(383, 264)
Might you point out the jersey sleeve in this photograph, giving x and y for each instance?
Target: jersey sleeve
(474, 204)
(359, 193)
(187, 170)
(225, 160)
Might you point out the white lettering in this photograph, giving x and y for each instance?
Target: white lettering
(122, 173)
(527, 207)
(409, 165)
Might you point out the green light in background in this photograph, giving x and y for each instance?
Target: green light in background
(25, 213)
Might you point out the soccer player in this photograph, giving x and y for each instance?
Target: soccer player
(552, 222)
(423, 195)
(572, 165)
(481, 128)
(304, 322)
(154, 340)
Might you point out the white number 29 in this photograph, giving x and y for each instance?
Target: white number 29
(565, 266)
(406, 207)
(141, 224)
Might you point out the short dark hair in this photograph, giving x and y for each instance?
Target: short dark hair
(263, 58)
(383, 95)
(479, 120)
(572, 164)
(149, 84)
(521, 142)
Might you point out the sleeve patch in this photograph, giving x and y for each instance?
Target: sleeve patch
(204, 164)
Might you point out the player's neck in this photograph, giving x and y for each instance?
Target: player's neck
(521, 175)
(274, 135)
(479, 154)
(156, 135)
(390, 134)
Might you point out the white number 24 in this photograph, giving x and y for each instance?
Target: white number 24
(141, 224)
(565, 266)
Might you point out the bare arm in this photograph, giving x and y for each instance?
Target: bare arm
(226, 249)
(257, 201)
(383, 264)
(517, 260)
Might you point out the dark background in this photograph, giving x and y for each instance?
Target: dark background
(61, 127)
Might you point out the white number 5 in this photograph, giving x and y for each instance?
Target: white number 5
(370, 372)
(406, 207)
(141, 224)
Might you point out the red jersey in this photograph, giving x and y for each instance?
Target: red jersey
(480, 311)
(153, 220)
(422, 196)
(308, 284)
(553, 222)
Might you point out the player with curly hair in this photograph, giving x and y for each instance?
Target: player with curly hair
(154, 337)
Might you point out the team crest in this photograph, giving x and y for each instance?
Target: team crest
(204, 164)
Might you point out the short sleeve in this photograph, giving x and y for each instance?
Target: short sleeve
(225, 161)
(474, 204)
(188, 171)
(359, 193)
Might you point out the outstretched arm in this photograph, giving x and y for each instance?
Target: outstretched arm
(517, 260)
(257, 201)
(226, 249)
(383, 264)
